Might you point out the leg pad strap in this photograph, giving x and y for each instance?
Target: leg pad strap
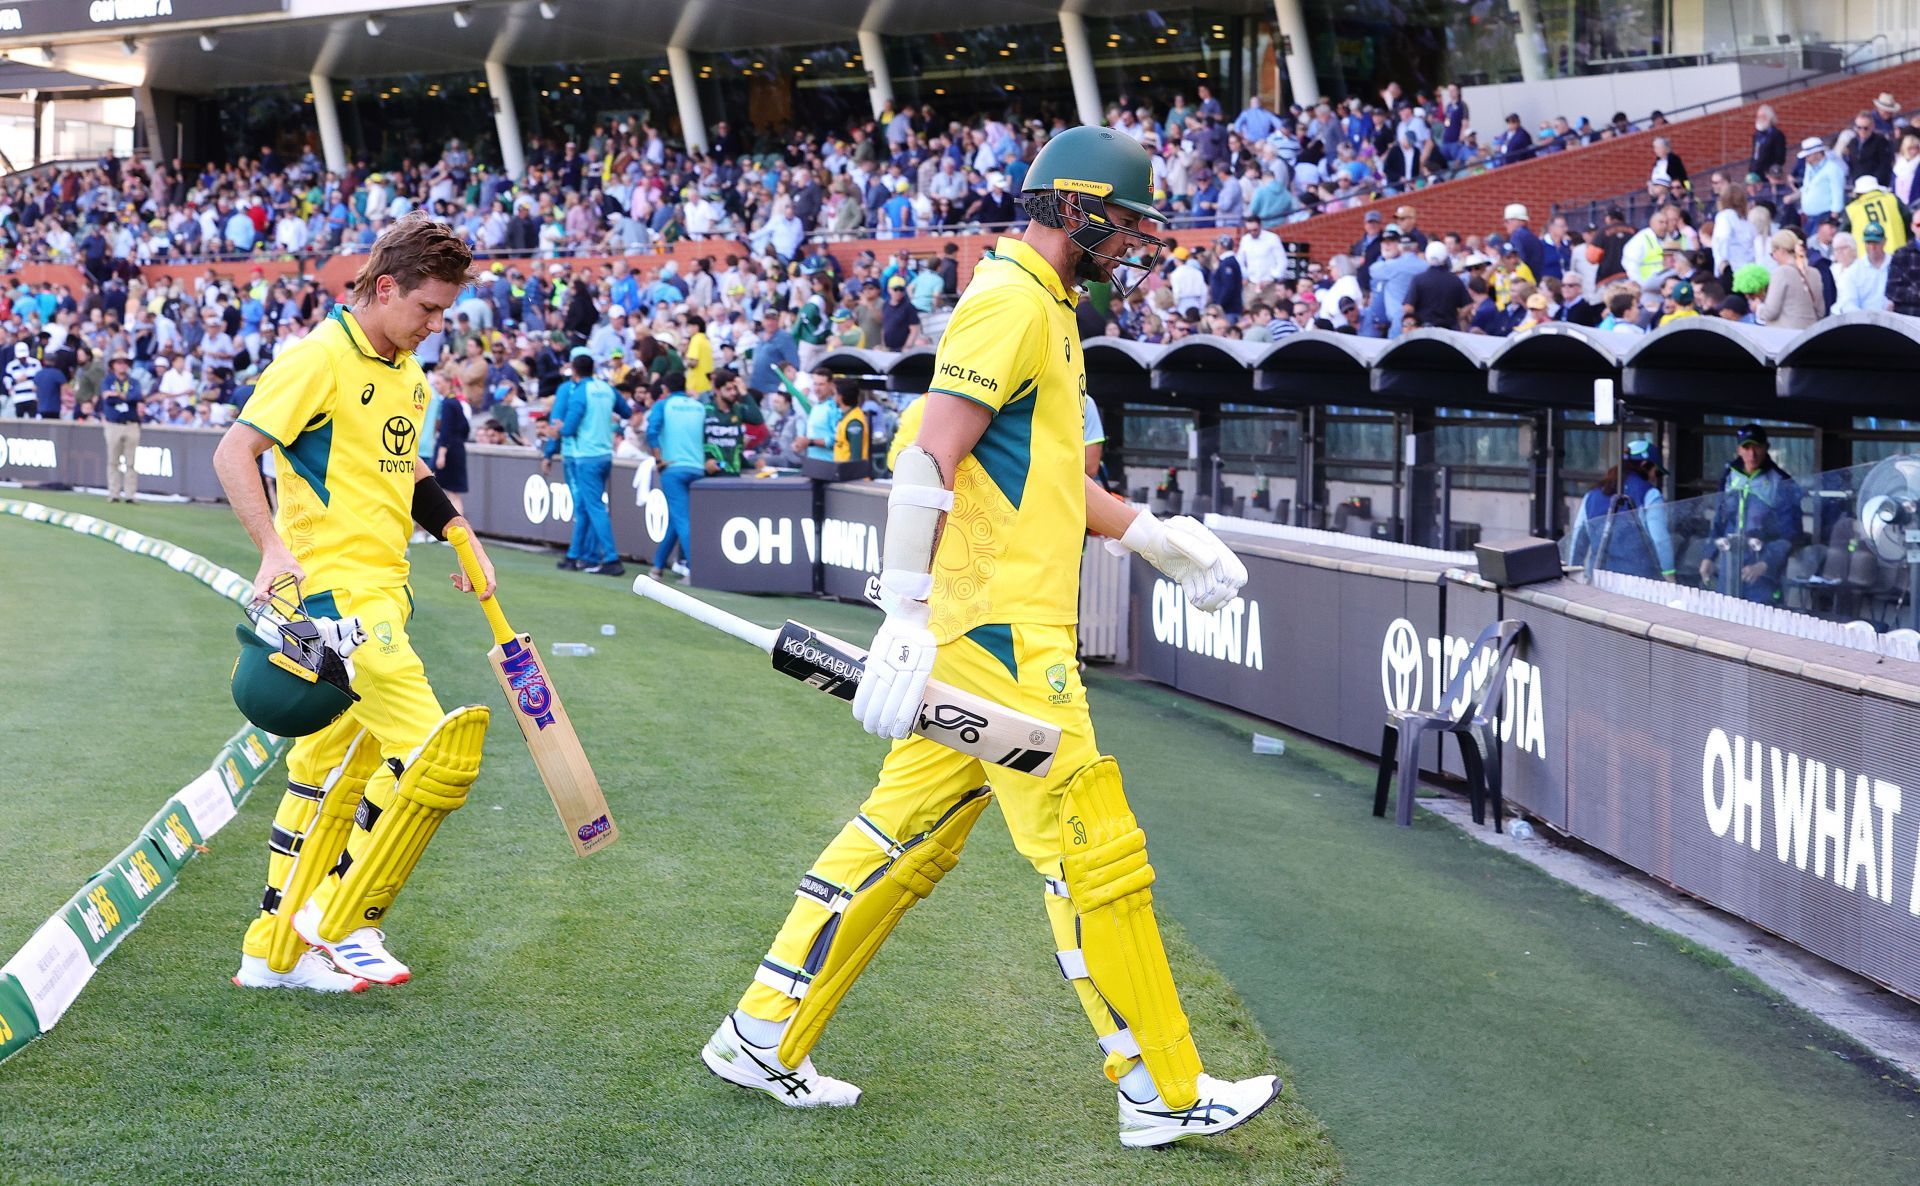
(316, 849)
(433, 783)
(849, 940)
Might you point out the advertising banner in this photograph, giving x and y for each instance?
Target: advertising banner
(173, 835)
(17, 1023)
(145, 873)
(1321, 648)
(101, 914)
(850, 536)
(753, 535)
(51, 968)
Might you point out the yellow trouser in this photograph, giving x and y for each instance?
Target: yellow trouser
(921, 780)
(397, 708)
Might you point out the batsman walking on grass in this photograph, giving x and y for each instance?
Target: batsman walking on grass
(988, 511)
(342, 409)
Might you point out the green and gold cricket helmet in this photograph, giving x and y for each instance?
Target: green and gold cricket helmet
(1101, 168)
(286, 680)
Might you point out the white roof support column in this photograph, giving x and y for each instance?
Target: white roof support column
(333, 146)
(686, 94)
(1297, 52)
(1086, 84)
(506, 119)
(873, 55)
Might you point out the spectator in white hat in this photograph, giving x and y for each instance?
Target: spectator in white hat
(1526, 244)
(1823, 186)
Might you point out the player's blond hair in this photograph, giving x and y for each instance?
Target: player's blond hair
(415, 249)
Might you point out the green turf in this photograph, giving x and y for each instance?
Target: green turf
(553, 1031)
(1449, 1014)
(1455, 1015)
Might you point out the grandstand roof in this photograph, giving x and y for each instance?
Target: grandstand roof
(1861, 363)
(284, 41)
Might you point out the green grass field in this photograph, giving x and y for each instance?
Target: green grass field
(1443, 1013)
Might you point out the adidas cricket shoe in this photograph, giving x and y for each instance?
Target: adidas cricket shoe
(362, 953)
(738, 1061)
(309, 972)
(1222, 1105)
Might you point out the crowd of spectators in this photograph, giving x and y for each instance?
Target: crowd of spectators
(1824, 228)
(626, 188)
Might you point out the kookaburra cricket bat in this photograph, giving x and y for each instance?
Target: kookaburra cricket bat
(543, 720)
(971, 724)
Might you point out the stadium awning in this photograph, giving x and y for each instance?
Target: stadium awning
(1305, 369)
(1552, 367)
(1120, 370)
(1854, 364)
(1705, 365)
(1432, 368)
(1205, 370)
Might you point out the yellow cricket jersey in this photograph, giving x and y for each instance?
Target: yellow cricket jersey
(1011, 549)
(1883, 207)
(347, 426)
(699, 360)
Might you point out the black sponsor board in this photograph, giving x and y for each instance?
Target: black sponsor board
(850, 537)
(753, 535)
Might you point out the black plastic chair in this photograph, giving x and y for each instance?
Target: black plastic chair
(1468, 714)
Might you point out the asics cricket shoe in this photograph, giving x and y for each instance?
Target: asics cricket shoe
(362, 953)
(729, 1055)
(1222, 1105)
(309, 971)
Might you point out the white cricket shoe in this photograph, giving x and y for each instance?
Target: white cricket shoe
(679, 568)
(1222, 1105)
(362, 953)
(729, 1055)
(309, 971)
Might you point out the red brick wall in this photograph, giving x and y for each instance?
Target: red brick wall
(1473, 205)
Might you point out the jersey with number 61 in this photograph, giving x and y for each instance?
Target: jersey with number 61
(346, 424)
(1011, 549)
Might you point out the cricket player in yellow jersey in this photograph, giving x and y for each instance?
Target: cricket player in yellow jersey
(342, 408)
(986, 502)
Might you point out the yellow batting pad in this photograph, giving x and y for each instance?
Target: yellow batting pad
(433, 783)
(320, 844)
(865, 917)
(1108, 880)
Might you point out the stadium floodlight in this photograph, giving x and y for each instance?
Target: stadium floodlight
(548, 10)
(208, 43)
(375, 26)
(463, 16)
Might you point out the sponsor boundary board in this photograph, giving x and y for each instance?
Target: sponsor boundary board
(40, 982)
(1769, 776)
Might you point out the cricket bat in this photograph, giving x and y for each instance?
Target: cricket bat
(543, 719)
(971, 724)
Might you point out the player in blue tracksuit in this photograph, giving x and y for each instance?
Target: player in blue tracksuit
(583, 412)
(677, 433)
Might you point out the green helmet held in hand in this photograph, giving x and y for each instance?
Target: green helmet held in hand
(1075, 184)
(294, 675)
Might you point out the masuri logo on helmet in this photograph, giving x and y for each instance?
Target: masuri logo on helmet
(1099, 168)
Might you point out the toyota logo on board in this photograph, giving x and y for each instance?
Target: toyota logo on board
(1401, 666)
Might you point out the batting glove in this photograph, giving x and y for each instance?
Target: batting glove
(1188, 552)
(887, 702)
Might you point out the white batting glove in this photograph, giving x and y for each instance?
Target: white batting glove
(1188, 552)
(887, 702)
(342, 636)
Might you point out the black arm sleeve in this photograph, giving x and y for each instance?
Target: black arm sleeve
(432, 509)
